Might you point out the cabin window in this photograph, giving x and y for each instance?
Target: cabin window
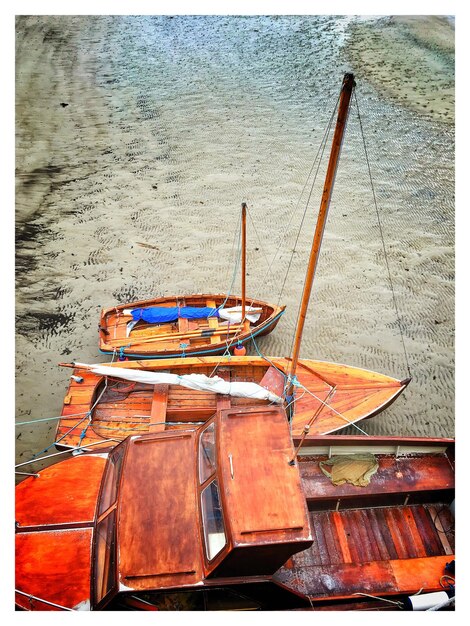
(212, 520)
(111, 479)
(105, 556)
(207, 453)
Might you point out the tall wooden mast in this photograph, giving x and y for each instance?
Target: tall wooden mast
(243, 260)
(343, 109)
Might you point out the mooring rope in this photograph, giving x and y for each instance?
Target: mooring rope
(382, 237)
(87, 414)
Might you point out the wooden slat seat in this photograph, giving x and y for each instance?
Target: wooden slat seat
(158, 410)
(396, 475)
(213, 321)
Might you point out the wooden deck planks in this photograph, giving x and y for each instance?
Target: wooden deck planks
(427, 530)
(331, 538)
(381, 564)
(375, 528)
(437, 516)
(317, 528)
(341, 535)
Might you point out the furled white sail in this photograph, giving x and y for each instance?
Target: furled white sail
(199, 382)
(234, 314)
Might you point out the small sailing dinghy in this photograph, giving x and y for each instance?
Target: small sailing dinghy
(195, 324)
(233, 516)
(326, 397)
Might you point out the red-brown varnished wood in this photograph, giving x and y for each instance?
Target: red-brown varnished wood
(382, 551)
(371, 539)
(442, 520)
(412, 529)
(54, 566)
(376, 529)
(352, 535)
(331, 540)
(158, 497)
(341, 535)
(415, 574)
(79, 480)
(427, 531)
(407, 577)
(158, 411)
(282, 512)
(397, 536)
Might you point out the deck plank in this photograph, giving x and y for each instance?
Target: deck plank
(379, 538)
(427, 531)
(321, 541)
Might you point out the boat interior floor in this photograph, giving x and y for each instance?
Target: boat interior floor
(381, 550)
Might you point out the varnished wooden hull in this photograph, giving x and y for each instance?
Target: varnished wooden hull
(330, 397)
(196, 337)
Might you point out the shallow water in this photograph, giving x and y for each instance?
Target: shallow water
(139, 137)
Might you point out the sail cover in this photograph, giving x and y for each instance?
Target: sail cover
(199, 382)
(165, 314)
(161, 314)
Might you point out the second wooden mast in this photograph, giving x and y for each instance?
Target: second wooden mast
(343, 110)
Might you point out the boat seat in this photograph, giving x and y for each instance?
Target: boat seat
(396, 476)
(213, 321)
(183, 325)
(158, 409)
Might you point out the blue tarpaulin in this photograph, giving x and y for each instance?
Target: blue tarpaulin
(160, 315)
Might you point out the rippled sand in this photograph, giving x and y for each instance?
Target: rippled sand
(139, 137)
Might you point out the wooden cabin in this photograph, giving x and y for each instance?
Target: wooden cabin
(170, 510)
(234, 515)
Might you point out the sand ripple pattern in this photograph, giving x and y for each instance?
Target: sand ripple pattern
(139, 137)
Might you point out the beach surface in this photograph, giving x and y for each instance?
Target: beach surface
(138, 137)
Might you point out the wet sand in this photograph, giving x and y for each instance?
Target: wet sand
(139, 137)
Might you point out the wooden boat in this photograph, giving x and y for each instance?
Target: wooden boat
(196, 324)
(391, 537)
(233, 516)
(324, 397)
(182, 336)
(104, 407)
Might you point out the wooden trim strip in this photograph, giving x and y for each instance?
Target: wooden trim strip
(270, 530)
(163, 438)
(50, 527)
(176, 573)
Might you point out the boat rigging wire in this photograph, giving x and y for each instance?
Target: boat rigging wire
(72, 449)
(321, 152)
(31, 598)
(382, 236)
(283, 237)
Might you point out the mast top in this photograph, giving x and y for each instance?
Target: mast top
(348, 84)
